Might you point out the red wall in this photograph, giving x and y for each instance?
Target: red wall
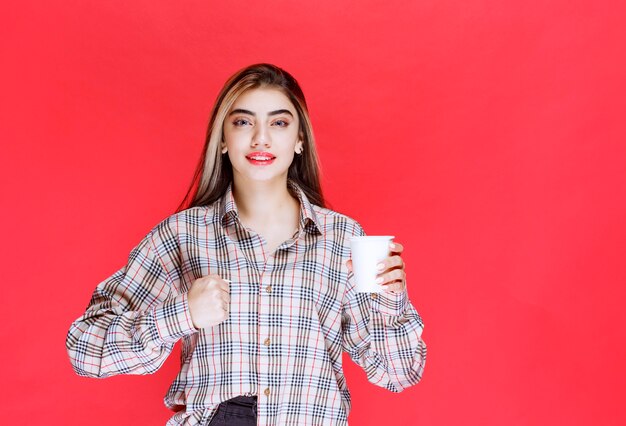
(488, 136)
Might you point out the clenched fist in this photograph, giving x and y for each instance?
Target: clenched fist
(209, 301)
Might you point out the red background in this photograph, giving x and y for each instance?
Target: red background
(488, 136)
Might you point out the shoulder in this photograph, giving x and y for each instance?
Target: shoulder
(190, 221)
(332, 222)
(194, 216)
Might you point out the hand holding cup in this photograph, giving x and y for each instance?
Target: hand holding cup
(377, 264)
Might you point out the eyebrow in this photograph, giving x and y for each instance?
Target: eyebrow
(245, 111)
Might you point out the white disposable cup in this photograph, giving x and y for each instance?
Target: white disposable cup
(367, 252)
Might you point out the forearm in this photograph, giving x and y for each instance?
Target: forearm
(397, 339)
(106, 342)
(386, 341)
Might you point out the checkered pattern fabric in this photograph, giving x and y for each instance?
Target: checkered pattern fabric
(292, 314)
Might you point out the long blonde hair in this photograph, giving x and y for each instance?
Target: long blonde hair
(214, 171)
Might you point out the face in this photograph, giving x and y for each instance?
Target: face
(261, 135)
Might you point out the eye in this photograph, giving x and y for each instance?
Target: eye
(241, 122)
(281, 123)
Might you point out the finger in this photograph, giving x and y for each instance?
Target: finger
(396, 248)
(212, 277)
(223, 285)
(395, 287)
(219, 283)
(223, 296)
(395, 262)
(349, 265)
(391, 262)
(391, 276)
(209, 280)
(206, 281)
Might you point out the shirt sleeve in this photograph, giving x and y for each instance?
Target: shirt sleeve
(382, 333)
(133, 319)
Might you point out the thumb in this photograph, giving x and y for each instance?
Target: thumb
(226, 286)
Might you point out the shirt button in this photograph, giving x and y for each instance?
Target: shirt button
(267, 391)
(267, 342)
(374, 296)
(268, 288)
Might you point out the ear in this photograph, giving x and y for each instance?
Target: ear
(224, 148)
(299, 146)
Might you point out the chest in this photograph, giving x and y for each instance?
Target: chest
(306, 258)
(271, 235)
(273, 238)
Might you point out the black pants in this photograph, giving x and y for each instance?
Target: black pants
(238, 411)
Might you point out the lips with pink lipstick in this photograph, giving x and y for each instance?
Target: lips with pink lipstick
(260, 158)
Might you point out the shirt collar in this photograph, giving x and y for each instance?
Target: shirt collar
(227, 209)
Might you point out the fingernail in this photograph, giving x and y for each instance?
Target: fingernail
(391, 245)
(379, 280)
(380, 266)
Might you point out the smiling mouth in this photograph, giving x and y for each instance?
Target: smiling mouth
(260, 157)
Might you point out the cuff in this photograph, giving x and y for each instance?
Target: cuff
(389, 303)
(173, 319)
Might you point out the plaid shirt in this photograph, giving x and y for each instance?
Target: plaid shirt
(292, 313)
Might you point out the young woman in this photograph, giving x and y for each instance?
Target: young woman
(254, 275)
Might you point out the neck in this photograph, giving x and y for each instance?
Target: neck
(263, 202)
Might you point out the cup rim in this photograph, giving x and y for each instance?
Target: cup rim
(372, 237)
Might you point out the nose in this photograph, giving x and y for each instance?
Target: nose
(261, 136)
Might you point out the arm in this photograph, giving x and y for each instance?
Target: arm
(132, 321)
(382, 331)
(383, 336)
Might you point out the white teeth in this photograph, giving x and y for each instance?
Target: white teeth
(261, 158)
